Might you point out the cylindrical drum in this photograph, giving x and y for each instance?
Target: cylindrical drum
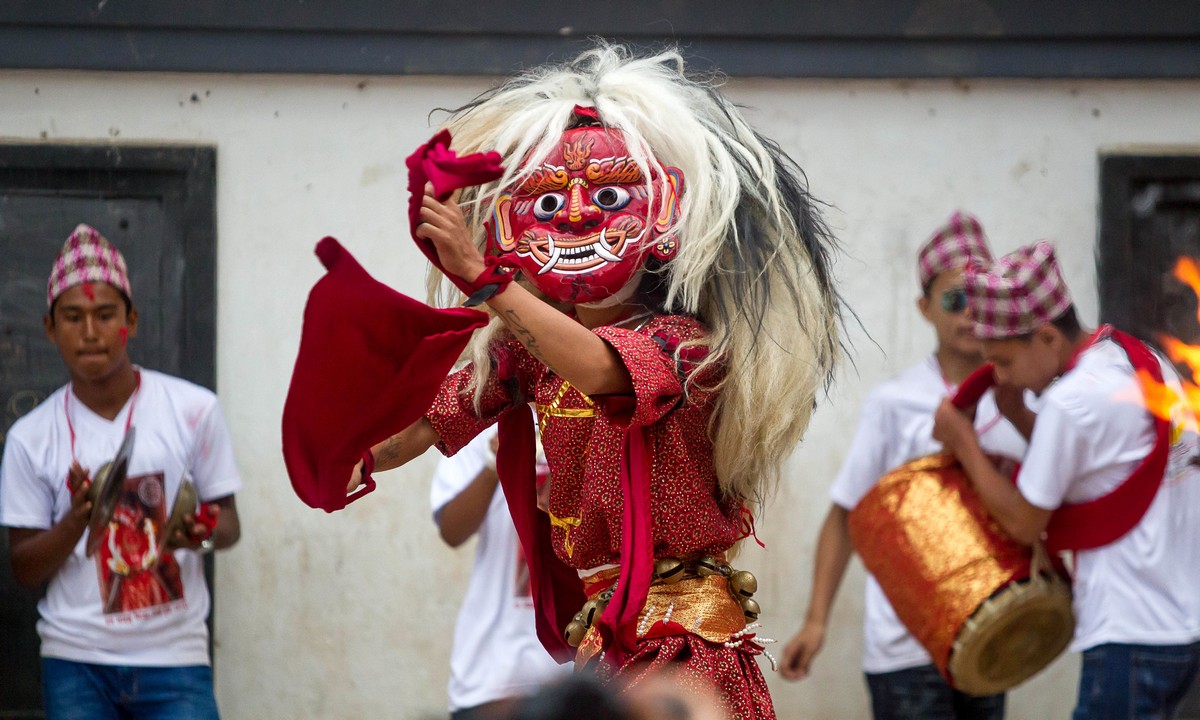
(960, 584)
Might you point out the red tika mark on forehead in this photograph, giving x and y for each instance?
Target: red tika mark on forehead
(89, 291)
(577, 152)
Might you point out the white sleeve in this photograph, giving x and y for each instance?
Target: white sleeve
(1052, 462)
(866, 461)
(456, 472)
(26, 500)
(213, 469)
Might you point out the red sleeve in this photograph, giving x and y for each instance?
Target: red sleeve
(454, 415)
(649, 356)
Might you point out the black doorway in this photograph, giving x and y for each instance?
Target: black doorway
(158, 205)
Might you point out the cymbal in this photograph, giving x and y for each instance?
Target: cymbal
(105, 492)
(186, 500)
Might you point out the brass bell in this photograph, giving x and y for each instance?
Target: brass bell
(743, 583)
(707, 566)
(588, 614)
(669, 570)
(574, 633)
(750, 608)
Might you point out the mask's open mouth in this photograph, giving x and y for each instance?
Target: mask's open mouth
(577, 255)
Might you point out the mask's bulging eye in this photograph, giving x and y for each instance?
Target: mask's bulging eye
(611, 198)
(548, 205)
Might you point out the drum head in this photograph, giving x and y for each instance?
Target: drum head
(1012, 636)
(105, 493)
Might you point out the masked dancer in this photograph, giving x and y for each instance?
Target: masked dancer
(674, 321)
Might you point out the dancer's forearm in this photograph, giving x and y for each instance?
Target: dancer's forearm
(572, 351)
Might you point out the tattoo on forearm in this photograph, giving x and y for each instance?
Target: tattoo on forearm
(389, 452)
(525, 335)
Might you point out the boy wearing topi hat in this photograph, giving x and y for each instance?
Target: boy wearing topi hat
(1105, 477)
(895, 427)
(122, 623)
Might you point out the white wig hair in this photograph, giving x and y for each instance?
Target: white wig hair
(754, 257)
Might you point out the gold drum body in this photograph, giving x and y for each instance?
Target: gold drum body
(990, 614)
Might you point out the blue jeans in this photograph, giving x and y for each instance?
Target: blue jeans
(1135, 682)
(921, 693)
(82, 691)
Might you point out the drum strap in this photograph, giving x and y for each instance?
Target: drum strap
(1098, 522)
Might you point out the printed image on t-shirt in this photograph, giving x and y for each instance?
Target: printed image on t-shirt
(133, 575)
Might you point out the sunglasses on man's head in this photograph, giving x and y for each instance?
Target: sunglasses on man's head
(954, 300)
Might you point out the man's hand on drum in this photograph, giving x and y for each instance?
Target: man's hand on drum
(798, 654)
(444, 224)
(954, 429)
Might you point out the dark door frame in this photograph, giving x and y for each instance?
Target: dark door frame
(1129, 276)
(183, 178)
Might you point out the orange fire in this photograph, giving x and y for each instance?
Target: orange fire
(1160, 398)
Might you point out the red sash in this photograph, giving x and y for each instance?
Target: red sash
(1106, 519)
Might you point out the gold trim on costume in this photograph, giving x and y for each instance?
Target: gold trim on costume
(553, 409)
(566, 524)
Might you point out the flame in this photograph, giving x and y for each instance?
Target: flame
(1187, 271)
(1164, 402)
(1161, 399)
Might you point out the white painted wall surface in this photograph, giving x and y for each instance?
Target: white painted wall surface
(350, 615)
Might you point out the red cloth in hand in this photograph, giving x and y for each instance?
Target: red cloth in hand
(434, 162)
(982, 379)
(369, 365)
(207, 516)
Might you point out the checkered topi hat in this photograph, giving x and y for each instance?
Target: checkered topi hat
(958, 241)
(1018, 293)
(87, 257)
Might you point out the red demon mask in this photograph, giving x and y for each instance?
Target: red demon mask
(581, 225)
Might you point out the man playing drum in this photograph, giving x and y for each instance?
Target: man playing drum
(895, 426)
(1102, 477)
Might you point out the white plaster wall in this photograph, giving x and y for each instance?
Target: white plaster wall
(350, 615)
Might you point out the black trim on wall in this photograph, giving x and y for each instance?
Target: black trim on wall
(780, 38)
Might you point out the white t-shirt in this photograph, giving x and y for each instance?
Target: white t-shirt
(496, 652)
(125, 605)
(896, 426)
(1090, 434)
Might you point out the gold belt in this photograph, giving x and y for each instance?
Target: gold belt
(701, 605)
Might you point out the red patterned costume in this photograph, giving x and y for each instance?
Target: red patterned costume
(583, 441)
